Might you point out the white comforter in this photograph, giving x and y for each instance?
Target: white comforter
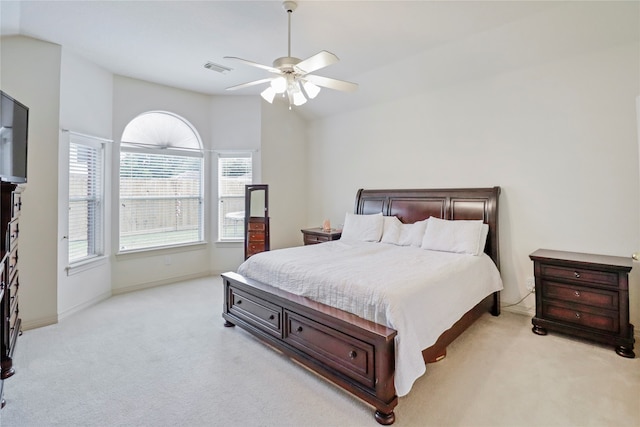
(417, 292)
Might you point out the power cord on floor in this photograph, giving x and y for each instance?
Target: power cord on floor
(533, 291)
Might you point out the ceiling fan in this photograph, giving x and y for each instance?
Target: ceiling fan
(292, 75)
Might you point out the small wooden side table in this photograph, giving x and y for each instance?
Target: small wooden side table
(584, 295)
(315, 235)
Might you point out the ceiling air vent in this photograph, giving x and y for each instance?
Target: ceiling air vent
(217, 67)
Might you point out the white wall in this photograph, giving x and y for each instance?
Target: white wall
(85, 107)
(559, 138)
(235, 125)
(30, 72)
(138, 270)
(284, 157)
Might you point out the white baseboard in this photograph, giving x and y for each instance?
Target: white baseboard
(80, 307)
(532, 312)
(169, 281)
(529, 312)
(39, 323)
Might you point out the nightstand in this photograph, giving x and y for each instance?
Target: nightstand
(318, 235)
(584, 295)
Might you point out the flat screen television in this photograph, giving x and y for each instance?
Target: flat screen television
(14, 128)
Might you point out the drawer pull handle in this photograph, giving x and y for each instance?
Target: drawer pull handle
(239, 301)
(576, 274)
(352, 354)
(272, 317)
(577, 293)
(578, 315)
(299, 329)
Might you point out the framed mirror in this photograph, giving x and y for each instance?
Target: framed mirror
(256, 220)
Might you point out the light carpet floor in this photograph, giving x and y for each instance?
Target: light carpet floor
(161, 357)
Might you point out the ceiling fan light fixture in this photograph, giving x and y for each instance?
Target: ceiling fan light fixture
(279, 84)
(298, 99)
(311, 89)
(268, 94)
(294, 79)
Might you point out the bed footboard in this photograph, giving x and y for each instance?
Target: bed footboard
(356, 354)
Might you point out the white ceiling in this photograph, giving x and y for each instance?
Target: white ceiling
(390, 48)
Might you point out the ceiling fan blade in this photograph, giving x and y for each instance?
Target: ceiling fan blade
(253, 83)
(253, 64)
(319, 60)
(331, 83)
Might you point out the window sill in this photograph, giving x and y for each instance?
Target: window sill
(230, 242)
(160, 250)
(85, 265)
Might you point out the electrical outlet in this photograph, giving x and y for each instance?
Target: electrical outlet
(530, 284)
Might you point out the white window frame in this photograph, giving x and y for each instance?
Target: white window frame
(158, 152)
(225, 221)
(94, 229)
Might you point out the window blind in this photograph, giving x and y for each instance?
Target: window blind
(86, 166)
(234, 172)
(161, 201)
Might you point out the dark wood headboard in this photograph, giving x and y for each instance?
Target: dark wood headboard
(452, 203)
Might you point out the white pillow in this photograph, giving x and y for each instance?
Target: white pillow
(397, 233)
(484, 232)
(391, 230)
(367, 228)
(460, 236)
(412, 234)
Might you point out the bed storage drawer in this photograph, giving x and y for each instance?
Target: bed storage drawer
(342, 352)
(255, 311)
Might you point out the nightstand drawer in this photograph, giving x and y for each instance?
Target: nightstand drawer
(581, 295)
(310, 239)
(580, 275)
(582, 315)
(312, 236)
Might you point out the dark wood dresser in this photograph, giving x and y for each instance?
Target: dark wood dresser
(10, 206)
(312, 236)
(584, 295)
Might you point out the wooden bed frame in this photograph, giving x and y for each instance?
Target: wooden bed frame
(354, 353)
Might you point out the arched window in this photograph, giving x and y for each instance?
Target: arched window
(161, 164)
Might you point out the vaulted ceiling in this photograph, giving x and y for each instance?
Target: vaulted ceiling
(390, 48)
